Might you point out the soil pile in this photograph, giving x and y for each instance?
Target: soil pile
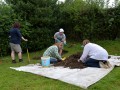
(71, 62)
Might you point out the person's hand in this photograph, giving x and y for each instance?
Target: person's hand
(78, 60)
(64, 42)
(25, 40)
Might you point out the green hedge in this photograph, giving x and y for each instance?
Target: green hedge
(39, 39)
(81, 20)
(40, 19)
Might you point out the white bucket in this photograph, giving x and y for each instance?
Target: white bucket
(45, 61)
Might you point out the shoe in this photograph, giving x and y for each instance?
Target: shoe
(20, 60)
(105, 65)
(13, 61)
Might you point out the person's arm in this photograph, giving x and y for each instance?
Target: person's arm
(84, 55)
(64, 39)
(24, 38)
(57, 55)
(19, 34)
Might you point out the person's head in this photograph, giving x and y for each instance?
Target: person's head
(86, 41)
(61, 31)
(16, 25)
(59, 45)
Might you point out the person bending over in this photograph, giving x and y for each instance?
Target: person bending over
(60, 37)
(94, 55)
(53, 52)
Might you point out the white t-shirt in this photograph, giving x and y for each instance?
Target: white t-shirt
(94, 51)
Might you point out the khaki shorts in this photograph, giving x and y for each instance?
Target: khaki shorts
(15, 47)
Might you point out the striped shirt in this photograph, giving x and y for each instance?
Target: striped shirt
(52, 51)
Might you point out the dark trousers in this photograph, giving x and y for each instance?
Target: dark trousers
(92, 63)
(53, 60)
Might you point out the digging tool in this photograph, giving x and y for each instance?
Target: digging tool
(28, 54)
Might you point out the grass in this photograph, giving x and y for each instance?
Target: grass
(14, 80)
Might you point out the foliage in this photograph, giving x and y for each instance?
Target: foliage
(37, 19)
(40, 15)
(90, 20)
(40, 19)
(6, 18)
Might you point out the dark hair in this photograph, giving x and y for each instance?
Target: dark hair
(16, 25)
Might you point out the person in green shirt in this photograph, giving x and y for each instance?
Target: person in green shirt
(54, 52)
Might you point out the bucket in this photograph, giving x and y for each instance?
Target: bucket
(45, 61)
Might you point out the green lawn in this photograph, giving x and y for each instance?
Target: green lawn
(14, 80)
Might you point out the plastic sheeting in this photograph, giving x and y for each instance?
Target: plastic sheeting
(79, 77)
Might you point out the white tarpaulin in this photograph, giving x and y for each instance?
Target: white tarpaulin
(79, 77)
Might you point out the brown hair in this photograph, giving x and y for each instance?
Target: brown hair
(57, 44)
(16, 25)
(86, 41)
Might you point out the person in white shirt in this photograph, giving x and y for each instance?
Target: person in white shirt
(93, 54)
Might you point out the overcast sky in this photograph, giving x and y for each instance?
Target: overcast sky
(110, 3)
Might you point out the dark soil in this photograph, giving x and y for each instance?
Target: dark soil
(71, 62)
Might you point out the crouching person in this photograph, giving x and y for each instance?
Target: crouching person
(53, 52)
(94, 55)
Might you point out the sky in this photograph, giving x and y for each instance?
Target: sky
(64, 0)
(61, 0)
(110, 3)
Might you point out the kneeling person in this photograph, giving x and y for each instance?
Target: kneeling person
(94, 55)
(53, 52)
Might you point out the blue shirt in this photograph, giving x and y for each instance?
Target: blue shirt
(15, 36)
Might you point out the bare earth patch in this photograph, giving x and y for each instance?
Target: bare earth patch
(71, 62)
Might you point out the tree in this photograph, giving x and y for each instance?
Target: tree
(39, 16)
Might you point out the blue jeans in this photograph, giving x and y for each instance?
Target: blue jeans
(92, 63)
(53, 60)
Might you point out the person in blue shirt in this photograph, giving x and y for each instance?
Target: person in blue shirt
(15, 41)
